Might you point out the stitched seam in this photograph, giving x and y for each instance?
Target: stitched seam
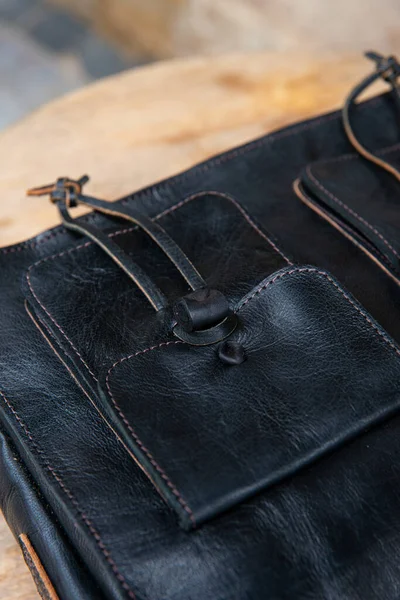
(350, 211)
(72, 498)
(28, 278)
(59, 255)
(151, 458)
(355, 155)
(342, 292)
(237, 205)
(58, 353)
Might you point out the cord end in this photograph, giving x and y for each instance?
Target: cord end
(64, 189)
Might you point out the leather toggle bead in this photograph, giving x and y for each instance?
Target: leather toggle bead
(231, 353)
(201, 309)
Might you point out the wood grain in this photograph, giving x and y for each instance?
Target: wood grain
(131, 130)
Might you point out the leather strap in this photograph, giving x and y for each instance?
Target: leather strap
(65, 193)
(204, 309)
(132, 269)
(387, 69)
(156, 232)
(69, 191)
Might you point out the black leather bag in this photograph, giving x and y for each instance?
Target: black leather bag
(200, 383)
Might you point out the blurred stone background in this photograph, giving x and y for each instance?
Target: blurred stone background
(180, 27)
(45, 51)
(49, 47)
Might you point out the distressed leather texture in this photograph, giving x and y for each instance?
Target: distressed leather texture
(249, 427)
(148, 469)
(26, 510)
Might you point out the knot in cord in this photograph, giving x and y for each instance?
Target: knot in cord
(63, 190)
(388, 69)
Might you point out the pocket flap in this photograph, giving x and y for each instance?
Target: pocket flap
(362, 200)
(318, 370)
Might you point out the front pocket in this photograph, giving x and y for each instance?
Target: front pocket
(317, 368)
(97, 313)
(360, 200)
(318, 371)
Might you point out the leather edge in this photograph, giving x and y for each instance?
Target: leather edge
(27, 512)
(315, 207)
(40, 577)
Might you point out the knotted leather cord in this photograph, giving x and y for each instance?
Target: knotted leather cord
(203, 317)
(387, 69)
(67, 193)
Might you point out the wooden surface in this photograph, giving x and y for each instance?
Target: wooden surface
(141, 126)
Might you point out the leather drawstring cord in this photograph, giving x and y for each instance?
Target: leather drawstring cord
(203, 316)
(65, 194)
(388, 69)
(157, 234)
(71, 195)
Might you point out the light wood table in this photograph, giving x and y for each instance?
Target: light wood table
(141, 126)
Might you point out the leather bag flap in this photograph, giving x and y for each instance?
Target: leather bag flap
(361, 200)
(318, 370)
